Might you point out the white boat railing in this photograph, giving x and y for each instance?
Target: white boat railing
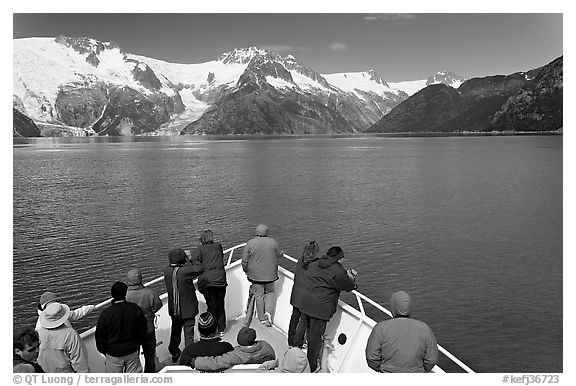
(360, 298)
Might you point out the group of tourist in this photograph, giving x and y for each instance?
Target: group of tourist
(128, 324)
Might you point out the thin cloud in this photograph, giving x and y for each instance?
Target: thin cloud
(279, 48)
(338, 46)
(390, 17)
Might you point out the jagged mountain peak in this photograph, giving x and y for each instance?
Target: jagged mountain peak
(376, 77)
(241, 55)
(445, 77)
(84, 45)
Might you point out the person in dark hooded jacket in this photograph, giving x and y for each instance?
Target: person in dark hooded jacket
(326, 278)
(212, 282)
(297, 328)
(401, 344)
(179, 278)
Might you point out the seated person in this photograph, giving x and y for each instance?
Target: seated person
(249, 351)
(294, 361)
(26, 346)
(210, 343)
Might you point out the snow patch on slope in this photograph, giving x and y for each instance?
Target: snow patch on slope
(197, 75)
(305, 83)
(410, 87)
(279, 83)
(350, 81)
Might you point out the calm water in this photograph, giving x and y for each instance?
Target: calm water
(471, 227)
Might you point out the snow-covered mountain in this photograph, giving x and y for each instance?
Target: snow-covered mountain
(94, 85)
(411, 87)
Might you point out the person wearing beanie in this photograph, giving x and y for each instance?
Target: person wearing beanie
(401, 344)
(179, 278)
(326, 278)
(248, 351)
(150, 303)
(260, 263)
(212, 282)
(75, 314)
(210, 343)
(120, 331)
(61, 348)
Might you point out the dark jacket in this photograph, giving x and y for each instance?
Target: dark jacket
(147, 299)
(326, 278)
(401, 344)
(204, 347)
(259, 352)
(187, 272)
(299, 286)
(211, 257)
(121, 329)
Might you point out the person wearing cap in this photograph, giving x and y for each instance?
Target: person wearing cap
(210, 343)
(297, 326)
(150, 303)
(212, 282)
(401, 344)
(179, 278)
(260, 263)
(248, 351)
(26, 345)
(326, 278)
(120, 331)
(61, 348)
(75, 314)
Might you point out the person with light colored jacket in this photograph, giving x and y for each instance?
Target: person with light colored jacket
(61, 348)
(401, 344)
(75, 314)
(150, 303)
(260, 263)
(248, 351)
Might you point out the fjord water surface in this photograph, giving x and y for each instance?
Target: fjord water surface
(471, 227)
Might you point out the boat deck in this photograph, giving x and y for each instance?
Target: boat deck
(277, 339)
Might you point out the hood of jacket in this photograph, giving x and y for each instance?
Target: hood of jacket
(325, 261)
(256, 347)
(177, 257)
(401, 304)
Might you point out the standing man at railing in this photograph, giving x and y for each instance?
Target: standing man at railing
(260, 262)
(179, 278)
(150, 303)
(120, 331)
(401, 344)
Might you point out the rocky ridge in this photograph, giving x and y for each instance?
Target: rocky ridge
(524, 101)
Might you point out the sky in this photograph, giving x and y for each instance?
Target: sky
(398, 46)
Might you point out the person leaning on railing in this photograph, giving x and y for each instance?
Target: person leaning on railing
(325, 278)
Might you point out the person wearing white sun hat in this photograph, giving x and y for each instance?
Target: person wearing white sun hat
(61, 348)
